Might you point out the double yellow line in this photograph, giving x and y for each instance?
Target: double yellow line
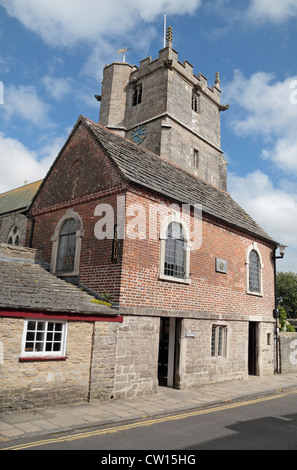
(148, 422)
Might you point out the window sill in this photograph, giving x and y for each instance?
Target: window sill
(256, 294)
(163, 277)
(42, 358)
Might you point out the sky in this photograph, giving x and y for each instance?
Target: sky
(52, 55)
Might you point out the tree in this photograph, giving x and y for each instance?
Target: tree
(286, 285)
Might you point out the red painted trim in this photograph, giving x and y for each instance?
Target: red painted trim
(44, 358)
(60, 316)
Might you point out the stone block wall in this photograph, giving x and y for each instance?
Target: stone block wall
(39, 383)
(288, 352)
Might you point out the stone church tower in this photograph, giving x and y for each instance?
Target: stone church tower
(165, 108)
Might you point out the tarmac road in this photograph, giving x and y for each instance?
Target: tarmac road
(263, 423)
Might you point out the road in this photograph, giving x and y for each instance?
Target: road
(268, 423)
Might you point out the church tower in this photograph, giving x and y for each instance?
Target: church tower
(162, 106)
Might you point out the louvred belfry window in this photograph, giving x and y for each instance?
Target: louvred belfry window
(66, 250)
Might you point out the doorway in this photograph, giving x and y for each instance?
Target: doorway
(169, 350)
(253, 349)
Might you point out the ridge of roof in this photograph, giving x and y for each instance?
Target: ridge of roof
(142, 167)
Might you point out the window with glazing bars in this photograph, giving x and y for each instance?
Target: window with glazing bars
(218, 341)
(44, 338)
(175, 251)
(254, 272)
(66, 250)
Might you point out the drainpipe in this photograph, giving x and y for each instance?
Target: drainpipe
(276, 316)
(282, 249)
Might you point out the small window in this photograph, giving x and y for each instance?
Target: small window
(44, 338)
(195, 102)
(218, 341)
(137, 95)
(196, 159)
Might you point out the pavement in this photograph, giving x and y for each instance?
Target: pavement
(166, 402)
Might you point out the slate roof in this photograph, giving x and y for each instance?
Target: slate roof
(26, 285)
(19, 198)
(142, 167)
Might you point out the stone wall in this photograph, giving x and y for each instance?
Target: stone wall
(39, 383)
(8, 221)
(288, 352)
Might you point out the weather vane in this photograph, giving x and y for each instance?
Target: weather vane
(123, 51)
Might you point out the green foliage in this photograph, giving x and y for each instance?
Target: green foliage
(285, 325)
(287, 292)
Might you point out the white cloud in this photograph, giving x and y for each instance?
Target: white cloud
(272, 208)
(64, 23)
(263, 107)
(275, 11)
(23, 102)
(19, 164)
(57, 88)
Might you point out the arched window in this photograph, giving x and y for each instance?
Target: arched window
(67, 245)
(66, 249)
(175, 250)
(254, 270)
(14, 236)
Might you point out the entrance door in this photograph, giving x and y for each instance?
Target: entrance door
(168, 360)
(253, 356)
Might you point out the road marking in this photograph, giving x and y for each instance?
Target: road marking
(150, 422)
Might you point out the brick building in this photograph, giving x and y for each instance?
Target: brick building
(136, 208)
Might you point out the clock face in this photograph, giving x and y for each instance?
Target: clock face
(138, 134)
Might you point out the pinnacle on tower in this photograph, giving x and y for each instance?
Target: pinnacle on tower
(169, 36)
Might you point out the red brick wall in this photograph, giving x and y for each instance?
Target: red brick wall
(134, 279)
(209, 291)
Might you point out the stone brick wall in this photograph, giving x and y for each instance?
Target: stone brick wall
(8, 221)
(34, 384)
(288, 352)
(125, 358)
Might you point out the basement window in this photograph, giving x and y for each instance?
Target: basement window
(44, 339)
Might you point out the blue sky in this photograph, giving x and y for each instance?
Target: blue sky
(52, 54)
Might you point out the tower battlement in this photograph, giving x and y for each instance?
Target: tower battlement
(163, 106)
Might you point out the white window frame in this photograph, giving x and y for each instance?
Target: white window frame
(215, 340)
(42, 342)
(175, 217)
(254, 247)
